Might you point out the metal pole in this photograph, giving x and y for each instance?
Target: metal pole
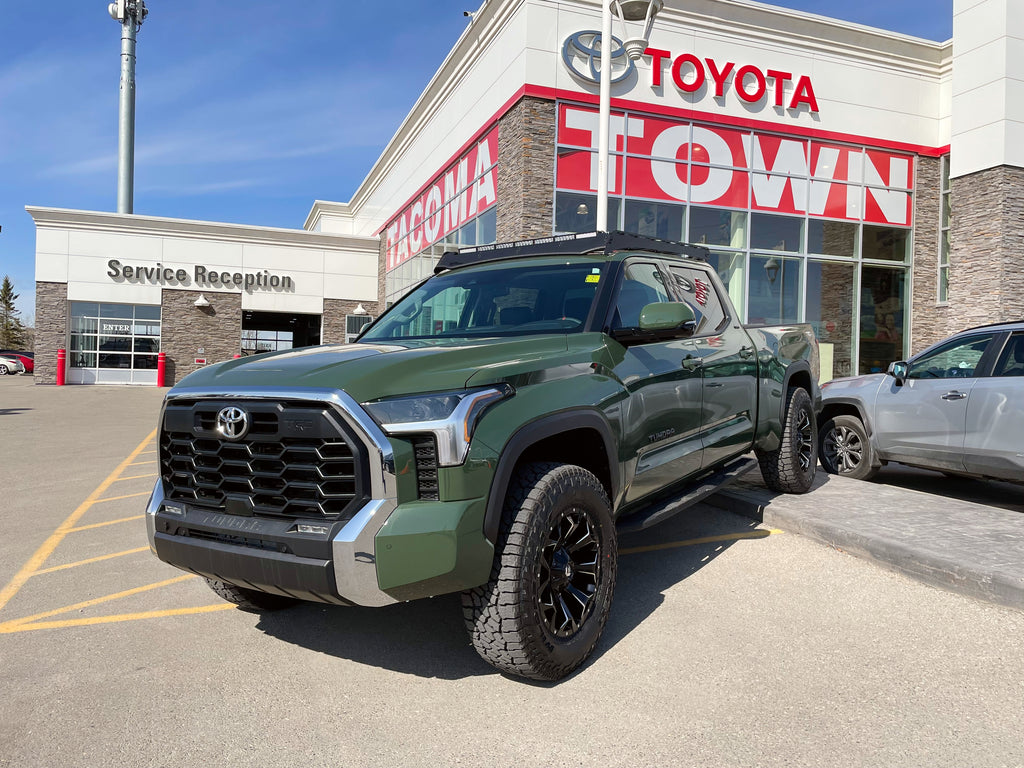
(603, 116)
(126, 117)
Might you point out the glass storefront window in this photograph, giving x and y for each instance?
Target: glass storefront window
(882, 317)
(829, 308)
(885, 243)
(832, 238)
(576, 212)
(714, 226)
(774, 293)
(662, 220)
(776, 233)
(114, 336)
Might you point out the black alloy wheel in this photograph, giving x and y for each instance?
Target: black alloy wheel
(569, 573)
(546, 603)
(790, 468)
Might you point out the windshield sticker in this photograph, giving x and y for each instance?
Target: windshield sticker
(593, 278)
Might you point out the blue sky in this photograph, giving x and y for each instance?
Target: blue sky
(246, 110)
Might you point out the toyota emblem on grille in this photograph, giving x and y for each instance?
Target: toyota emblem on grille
(232, 422)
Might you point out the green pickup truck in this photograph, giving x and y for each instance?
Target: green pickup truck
(490, 434)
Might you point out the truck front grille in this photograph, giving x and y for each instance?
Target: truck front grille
(297, 460)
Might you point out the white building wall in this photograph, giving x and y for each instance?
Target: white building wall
(870, 85)
(76, 247)
(988, 85)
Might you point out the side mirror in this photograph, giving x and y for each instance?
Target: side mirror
(668, 316)
(899, 371)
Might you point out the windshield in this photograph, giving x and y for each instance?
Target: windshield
(512, 298)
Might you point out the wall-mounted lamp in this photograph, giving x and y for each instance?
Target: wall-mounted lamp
(771, 268)
(359, 310)
(202, 302)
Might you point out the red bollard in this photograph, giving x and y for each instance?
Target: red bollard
(161, 368)
(62, 356)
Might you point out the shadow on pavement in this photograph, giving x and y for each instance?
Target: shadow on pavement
(994, 493)
(12, 411)
(427, 637)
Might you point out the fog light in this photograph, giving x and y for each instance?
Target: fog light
(174, 509)
(318, 530)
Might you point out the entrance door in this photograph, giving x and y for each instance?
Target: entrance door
(274, 331)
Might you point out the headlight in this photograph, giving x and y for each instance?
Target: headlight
(449, 416)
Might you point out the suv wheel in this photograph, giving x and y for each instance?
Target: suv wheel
(845, 448)
(551, 585)
(790, 469)
(251, 600)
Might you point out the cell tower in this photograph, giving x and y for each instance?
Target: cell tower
(129, 14)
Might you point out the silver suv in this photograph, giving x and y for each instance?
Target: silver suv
(957, 407)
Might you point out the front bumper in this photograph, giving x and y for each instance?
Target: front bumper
(385, 553)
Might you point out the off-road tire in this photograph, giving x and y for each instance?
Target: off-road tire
(844, 449)
(556, 539)
(790, 469)
(250, 600)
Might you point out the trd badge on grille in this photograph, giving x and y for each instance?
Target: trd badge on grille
(232, 422)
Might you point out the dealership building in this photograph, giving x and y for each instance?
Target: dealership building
(864, 181)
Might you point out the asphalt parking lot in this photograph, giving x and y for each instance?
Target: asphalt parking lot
(730, 643)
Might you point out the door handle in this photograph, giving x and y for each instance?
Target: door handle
(746, 352)
(691, 363)
(954, 395)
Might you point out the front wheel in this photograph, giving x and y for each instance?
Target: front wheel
(547, 601)
(790, 469)
(845, 448)
(3, 370)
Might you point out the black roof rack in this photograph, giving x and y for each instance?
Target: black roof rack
(576, 243)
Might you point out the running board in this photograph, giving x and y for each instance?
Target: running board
(708, 485)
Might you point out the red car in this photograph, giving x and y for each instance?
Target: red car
(27, 358)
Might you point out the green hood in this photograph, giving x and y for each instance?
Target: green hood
(370, 371)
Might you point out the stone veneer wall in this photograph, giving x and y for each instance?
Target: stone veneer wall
(186, 328)
(929, 319)
(335, 311)
(986, 280)
(526, 169)
(51, 329)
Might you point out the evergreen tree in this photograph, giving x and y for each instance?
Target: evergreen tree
(12, 332)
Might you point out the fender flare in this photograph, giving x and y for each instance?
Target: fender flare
(533, 432)
(856, 405)
(800, 366)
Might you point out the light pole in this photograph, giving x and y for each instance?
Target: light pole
(642, 11)
(129, 14)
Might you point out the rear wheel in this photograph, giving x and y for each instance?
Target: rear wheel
(551, 585)
(845, 448)
(790, 469)
(4, 370)
(251, 600)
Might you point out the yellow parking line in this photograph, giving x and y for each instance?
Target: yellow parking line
(134, 477)
(47, 547)
(101, 525)
(91, 560)
(759, 534)
(127, 496)
(141, 463)
(9, 626)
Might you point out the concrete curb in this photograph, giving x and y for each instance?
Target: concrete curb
(962, 547)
